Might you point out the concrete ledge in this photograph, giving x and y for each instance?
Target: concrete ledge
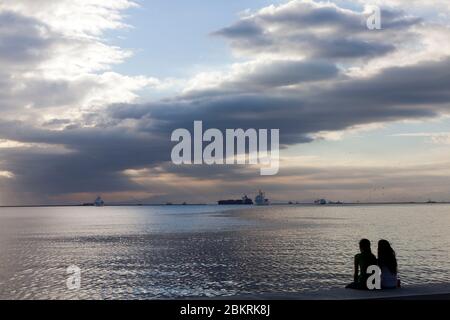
(408, 292)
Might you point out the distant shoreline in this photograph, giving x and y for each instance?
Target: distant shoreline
(214, 204)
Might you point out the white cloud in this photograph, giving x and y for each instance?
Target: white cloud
(55, 61)
(74, 18)
(352, 131)
(6, 174)
(302, 28)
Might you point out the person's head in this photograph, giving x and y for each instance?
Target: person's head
(364, 246)
(386, 256)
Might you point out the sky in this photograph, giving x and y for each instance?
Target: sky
(91, 90)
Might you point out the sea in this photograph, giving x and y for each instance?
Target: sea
(206, 251)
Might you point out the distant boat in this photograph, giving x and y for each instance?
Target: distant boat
(261, 200)
(99, 202)
(244, 200)
(320, 202)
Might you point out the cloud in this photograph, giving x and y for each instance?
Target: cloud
(55, 72)
(261, 75)
(79, 18)
(432, 8)
(52, 64)
(305, 72)
(25, 41)
(434, 137)
(414, 92)
(300, 182)
(320, 30)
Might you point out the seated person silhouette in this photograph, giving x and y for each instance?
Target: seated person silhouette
(388, 265)
(362, 261)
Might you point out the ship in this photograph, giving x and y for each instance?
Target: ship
(261, 200)
(99, 202)
(244, 201)
(320, 202)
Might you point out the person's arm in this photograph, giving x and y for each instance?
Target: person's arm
(355, 274)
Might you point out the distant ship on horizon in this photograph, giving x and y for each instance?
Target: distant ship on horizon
(320, 202)
(99, 202)
(261, 200)
(245, 200)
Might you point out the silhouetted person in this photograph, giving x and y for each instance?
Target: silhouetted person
(362, 261)
(388, 265)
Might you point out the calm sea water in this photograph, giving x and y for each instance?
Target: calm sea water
(207, 251)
